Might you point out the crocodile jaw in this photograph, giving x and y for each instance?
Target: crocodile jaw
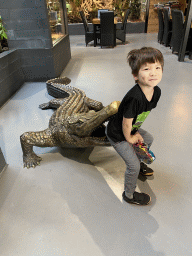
(83, 124)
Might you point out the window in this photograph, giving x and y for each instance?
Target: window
(56, 19)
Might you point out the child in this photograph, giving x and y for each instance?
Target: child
(124, 129)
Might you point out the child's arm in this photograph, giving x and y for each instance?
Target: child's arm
(127, 127)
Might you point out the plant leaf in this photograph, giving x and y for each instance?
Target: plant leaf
(4, 35)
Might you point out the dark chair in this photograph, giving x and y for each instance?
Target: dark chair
(121, 32)
(89, 35)
(178, 31)
(161, 25)
(107, 29)
(167, 28)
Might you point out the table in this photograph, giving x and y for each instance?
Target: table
(96, 22)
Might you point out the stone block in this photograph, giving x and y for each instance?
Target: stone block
(8, 57)
(4, 73)
(5, 14)
(10, 85)
(11, 34)
(38, 73)
(32, 34)
(28, 14)
(15, 4)
(30, 44)
(36, 61)
(43, 24)
(22, 25)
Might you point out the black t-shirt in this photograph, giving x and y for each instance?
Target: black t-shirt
(134, 105)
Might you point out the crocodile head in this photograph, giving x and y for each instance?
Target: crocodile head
(90, 126)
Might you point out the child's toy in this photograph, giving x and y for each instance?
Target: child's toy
(143, 153)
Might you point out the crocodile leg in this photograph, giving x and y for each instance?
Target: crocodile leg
(54, 104)
(40, 139)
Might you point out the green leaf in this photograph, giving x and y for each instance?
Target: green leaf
(5, 35)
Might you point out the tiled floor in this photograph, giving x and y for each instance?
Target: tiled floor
(71, 204)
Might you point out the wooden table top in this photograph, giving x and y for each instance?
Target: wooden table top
(97, 21)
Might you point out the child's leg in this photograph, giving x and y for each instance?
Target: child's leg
(126, 151)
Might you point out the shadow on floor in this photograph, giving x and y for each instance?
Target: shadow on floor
(117, 228)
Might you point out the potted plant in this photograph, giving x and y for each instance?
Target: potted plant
(3, 34)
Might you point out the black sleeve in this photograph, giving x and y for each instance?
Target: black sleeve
(130, 108)
(157, 95)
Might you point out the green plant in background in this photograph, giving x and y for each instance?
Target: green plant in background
(56, 6)
(2, 30)
(120, 6)
(78, 3)
(90, 8)
(3, 34)
(135, 10)
(92, 12)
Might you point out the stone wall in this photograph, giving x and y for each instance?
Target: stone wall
(44, 64)
(27, 23)
(28, 31)
(11, 74)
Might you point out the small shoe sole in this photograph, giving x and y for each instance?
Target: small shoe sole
(133, 202)
(146, 174)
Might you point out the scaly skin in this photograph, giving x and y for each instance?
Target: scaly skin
(71, 125)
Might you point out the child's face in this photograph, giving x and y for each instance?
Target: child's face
(150, 74)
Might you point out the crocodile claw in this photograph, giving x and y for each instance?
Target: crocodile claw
(31, 160)
(44, 106)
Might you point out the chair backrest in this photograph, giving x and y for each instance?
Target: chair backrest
(101, 10)
(107, 22)
(124, 22)
(167, 27)
(166, 16)
(84, 19)
(107, 28)
(177, 29)
(161, 25)
(177, 20)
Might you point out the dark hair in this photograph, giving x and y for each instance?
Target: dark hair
(138, 57)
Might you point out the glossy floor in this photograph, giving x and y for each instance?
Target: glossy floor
(72, 203)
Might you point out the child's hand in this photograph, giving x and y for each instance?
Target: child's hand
(140, 138)
(134, 139)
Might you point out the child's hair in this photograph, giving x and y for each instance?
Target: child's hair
(136, 58)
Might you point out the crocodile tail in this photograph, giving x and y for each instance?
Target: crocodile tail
(59, 88)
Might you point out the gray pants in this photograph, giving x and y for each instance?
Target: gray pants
(127, 152)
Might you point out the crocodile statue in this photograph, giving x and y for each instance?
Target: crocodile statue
(77, 121)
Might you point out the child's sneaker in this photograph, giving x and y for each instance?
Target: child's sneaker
(138, 198)
(145, 170)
